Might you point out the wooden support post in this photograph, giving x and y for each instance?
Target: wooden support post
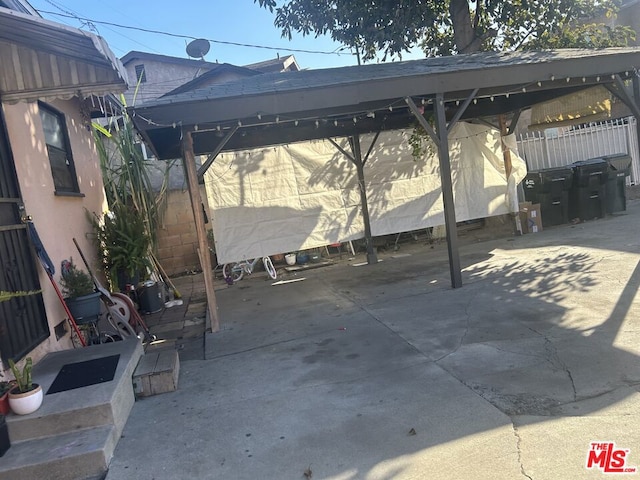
(508, 167)
(447, 193)
(636, 98)
(506, 153)
(372, 257)
(191, 175)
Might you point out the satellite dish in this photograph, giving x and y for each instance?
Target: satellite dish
(198, 48)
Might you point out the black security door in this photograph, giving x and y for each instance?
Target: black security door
(23, 322)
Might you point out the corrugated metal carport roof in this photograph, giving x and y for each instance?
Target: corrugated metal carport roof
(45, 60)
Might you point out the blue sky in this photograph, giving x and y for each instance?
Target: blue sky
(240, 21)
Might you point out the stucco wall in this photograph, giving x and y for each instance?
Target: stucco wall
(58, 219)
(162, 77)
(177, 240)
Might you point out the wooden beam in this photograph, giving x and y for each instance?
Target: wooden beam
(189, 163)
(212, 156)
(343, 151)
(636, 97)
(447, 193)
(422, 121)
(514, 121)
(620, 91)
(373, 144)
(506, 153)
(506, 158)
(462, 109)
(372, 257)
(357, 160)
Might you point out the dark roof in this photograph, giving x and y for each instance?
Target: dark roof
(210, 76)
(270, 103)
(189, 62)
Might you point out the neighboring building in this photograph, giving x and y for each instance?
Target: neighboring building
(154, 76)
(51, 80)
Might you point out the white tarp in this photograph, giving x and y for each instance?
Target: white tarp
(305, 195)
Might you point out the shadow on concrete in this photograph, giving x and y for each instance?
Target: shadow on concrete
(385, 372)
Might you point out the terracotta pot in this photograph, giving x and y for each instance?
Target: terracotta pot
(27, 402)
(4, 403)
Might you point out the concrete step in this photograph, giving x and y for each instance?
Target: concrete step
(156, 373)
(74, 433)
(83, 454)
(107, 403)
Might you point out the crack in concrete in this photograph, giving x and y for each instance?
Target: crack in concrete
(516, 433)
(554, 359)
(464, 334)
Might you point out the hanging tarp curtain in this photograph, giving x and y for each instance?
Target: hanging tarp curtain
(305, 195)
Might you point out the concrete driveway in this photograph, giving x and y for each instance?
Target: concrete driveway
(385, 372)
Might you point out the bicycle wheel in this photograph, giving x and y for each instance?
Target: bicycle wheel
(234, 271)
(268, 266)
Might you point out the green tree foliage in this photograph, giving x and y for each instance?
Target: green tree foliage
(384, 28)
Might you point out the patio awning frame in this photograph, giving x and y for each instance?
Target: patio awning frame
(275, 109)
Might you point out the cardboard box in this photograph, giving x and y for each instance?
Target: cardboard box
(530, 217)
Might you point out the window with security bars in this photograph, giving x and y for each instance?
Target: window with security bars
(141, 76)
(60, 158)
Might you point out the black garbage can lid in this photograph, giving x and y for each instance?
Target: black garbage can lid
(620, 161)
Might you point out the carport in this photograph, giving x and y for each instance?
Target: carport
(347, 102)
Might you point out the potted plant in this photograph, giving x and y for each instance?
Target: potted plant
(6, 386)
(122, 237)
(80, 293)
(25, 397)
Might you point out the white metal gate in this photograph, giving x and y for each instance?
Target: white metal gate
(557, 147)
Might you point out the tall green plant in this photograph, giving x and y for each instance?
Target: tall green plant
(125, 244)
(125, 173)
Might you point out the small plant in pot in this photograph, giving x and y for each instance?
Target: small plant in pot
(25, 397)
(80, 293)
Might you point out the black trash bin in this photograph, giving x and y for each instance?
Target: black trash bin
(150, 297)
(587, 197)
(619, 169)
(550, 188)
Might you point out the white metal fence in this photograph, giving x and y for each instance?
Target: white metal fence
(559, 147)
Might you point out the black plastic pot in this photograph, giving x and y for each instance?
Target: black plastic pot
(85, 309)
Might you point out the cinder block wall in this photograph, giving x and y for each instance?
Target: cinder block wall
(177, 240)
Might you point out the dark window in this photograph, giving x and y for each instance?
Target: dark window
(57, 140)
(141, 76)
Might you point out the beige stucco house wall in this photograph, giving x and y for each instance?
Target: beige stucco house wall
(58, 219)
(68, 71)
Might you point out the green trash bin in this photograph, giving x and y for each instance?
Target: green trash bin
(587, 197)
(619, 169)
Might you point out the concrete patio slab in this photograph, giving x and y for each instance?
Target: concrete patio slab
(385, 372)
